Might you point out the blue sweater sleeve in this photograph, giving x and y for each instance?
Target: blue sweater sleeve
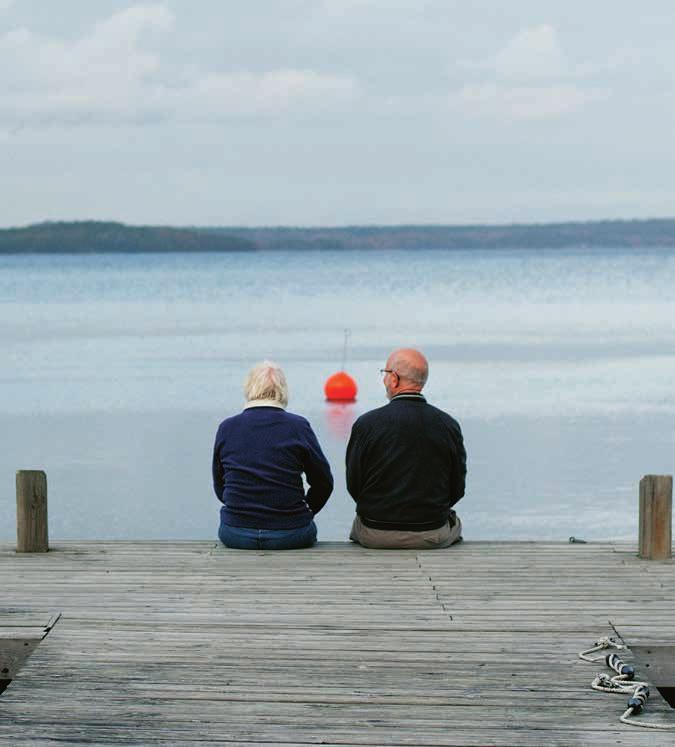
(217, 468)
(317, 470)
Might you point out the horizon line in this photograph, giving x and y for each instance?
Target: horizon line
(336, 227)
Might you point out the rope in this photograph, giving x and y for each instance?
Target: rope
(635, 704)
(606, 684)
(622, 683)
(600, 645)
(626, 715)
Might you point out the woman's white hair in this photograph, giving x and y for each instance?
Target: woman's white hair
(267, 381)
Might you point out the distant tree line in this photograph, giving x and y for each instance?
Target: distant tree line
(89, 237)
(607, 234)
(86, 237)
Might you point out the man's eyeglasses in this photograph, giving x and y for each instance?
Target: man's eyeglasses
(384, 371)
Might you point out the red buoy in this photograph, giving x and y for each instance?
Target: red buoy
(340, 387)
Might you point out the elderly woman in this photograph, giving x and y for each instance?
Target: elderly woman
(258, 461)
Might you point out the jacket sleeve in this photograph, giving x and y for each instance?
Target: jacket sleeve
(217, 469)
(458, 474)
(317, 471)
(354, 460)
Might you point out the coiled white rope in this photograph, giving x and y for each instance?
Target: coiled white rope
(606, 684)
(600, 645)
(621, 683)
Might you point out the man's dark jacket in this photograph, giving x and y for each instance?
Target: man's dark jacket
(406, 465)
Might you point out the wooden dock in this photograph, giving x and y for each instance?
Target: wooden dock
(189, 643)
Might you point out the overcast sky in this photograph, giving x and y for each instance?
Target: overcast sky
(333, 112)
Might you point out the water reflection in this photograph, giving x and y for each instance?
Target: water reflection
(339, 418)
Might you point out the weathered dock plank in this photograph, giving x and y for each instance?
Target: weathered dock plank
(188, 643)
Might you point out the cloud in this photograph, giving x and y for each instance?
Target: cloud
(116, 73)
(532, 53)
(104, 73)
(522, 102)
(529, 78)
(270, 93)
(6, 4)
(338, 8)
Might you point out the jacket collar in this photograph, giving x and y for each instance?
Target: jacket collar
(409, 395)
(263, 403)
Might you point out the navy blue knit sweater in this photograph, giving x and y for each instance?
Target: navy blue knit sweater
(258, 460)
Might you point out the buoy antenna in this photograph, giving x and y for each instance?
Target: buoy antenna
(348, 334)
(340, 387)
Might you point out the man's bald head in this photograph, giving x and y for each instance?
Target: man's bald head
(412, 368)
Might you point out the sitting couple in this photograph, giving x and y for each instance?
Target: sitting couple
(406, 466)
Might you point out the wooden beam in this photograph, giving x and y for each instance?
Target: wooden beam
(31, 511)
(656, 517)
(656, 660)
(13, 654)
(20, 634)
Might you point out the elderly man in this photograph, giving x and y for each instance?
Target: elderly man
(406, 465)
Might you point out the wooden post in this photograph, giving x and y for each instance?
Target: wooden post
(656, 517)
(31, 511)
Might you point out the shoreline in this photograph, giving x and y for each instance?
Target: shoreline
(95, 237)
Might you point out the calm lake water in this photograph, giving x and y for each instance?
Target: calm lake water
(116, 370)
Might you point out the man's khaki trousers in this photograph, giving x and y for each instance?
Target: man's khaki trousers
(390, 539)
